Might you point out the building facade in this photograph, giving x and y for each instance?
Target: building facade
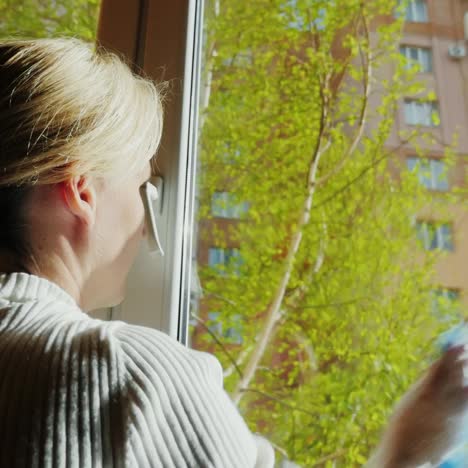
(436, 37)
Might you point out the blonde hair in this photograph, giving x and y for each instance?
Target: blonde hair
(66, 110)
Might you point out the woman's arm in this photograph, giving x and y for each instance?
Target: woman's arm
(424, 422)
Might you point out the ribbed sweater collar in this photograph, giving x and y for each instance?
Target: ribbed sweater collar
(24, 287)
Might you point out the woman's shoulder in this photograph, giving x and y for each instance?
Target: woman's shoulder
(154, 350)
(171, 383)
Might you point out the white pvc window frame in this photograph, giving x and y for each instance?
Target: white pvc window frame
(164, 40)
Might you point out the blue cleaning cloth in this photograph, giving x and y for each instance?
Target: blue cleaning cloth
(458, 456)
(449, 464)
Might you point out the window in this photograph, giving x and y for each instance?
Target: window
(214, 324)
(418, 55)
(223, 205)
(416, 11)
(223, 259)
(230, 154)
(432, 173)
(435, 236)
(445, 303)
(240, 59)
(265, 113)
(314, 16)
(231, 332)
(421, 113)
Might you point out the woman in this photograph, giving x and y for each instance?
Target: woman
(77, 135)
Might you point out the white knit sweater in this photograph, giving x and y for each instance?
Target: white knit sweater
(79, 392)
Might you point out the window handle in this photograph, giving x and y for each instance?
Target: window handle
(152, 192)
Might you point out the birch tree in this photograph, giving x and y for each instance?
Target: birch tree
(326, 281)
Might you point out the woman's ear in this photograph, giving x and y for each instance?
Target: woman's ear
(79, 195)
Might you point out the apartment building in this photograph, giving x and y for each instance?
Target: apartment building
(436, 37)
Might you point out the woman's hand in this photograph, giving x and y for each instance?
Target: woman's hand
(424, 423)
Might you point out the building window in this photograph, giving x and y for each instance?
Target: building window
(242, 58)
(230, 330)
(301, 19)
(418, 55)
(432, 173)
(223, 205)
(214, 323)
(421, 113)
(222, 260)
(445, 303)
(435, 236)
(416, 11)
(229, 154)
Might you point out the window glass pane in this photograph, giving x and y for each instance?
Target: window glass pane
(421, 231)
(412, 163)
(432, 239)
(228, 329)
(224, 260)
(404, 50)
(217, 204)
(418, 55)
(453, 295)
(431, 173)
(424, 173)
(410, 117)
(421, 113)
(298, 19)
(444, 304)
(310, 294)
(417, 11)
(434, 235)
(433, 112)
(216, 256)
(439, 175)
(224, 205)
(233, 333)
(426, 59)
(445, 236)
(420, 11)
(426, 113)
(413, 54)
(214, 323)
(409, 12)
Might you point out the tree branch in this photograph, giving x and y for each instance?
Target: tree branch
(244, 353)
(218, 342)
(280, 401)
(366, 63)
(333, 456)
